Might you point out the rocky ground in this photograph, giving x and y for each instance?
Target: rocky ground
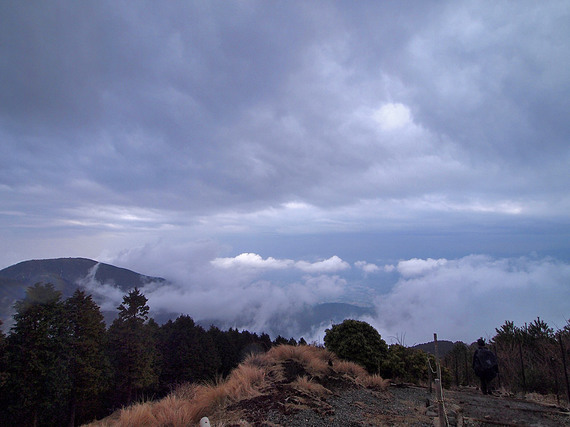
(305, 386)
(351, 405)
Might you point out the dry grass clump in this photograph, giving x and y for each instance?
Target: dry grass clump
(374, 381)
(189, 403)
(314, 359)
(243, 383)
(186, 391)
(306, 385)
(359, 375)
(174, 411)
(139, 414)
(350, 368)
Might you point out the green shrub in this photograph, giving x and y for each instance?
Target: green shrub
(357, 342)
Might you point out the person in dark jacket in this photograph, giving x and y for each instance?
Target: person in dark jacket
(485, 365)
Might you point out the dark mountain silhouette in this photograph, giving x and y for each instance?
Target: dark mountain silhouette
(443, 347)
(66, 274)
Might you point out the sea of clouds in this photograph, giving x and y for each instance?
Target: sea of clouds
(460, 299)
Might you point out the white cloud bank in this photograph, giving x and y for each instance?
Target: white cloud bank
(366, 267)
(250, 260)
(468, 297)
(460, 299)
(255, 261)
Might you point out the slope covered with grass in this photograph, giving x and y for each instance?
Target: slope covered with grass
(278, 383)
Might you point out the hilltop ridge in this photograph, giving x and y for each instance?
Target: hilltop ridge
(299, 386)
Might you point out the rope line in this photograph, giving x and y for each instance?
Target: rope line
(442, 401)
(433, 371)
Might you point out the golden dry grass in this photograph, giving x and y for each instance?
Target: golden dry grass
(173, 410)
(190, 402)
(139, 414)
(306, 385)
(374, 381)
(350, 368)
(303, 354)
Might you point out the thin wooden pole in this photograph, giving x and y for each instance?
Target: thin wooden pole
(564, 364)
(438, 389)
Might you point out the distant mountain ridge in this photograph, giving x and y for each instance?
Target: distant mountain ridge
(66, 274)
(443, 347)
(69, 270)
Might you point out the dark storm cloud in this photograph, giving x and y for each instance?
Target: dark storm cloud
(265, 156)
(205, 106)
(134, 98)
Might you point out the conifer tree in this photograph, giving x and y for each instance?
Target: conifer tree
(38, 351)
(226, 349)
(132, 348)
(89, 365)
(188, 353)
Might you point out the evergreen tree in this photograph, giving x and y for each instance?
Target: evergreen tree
(188, 353)
(280, 341)
(3, 376)
(226, 349)
(89, 366)
(38, 351)
(132, 349)
(265, 341)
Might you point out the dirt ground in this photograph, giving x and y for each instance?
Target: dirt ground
(399, 405)
(503, 410)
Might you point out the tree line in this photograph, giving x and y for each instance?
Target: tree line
(532, 358)
(61, 365)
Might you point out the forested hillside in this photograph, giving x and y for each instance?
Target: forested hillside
(61, 365)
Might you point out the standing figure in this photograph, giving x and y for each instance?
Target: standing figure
(485, 365)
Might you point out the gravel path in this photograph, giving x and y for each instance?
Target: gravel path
(353, 407)
(407, 406)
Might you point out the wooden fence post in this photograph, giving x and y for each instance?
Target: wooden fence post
(438, 389)
(564, 365)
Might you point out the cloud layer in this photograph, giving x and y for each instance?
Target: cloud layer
(471, 296)
(460, 299)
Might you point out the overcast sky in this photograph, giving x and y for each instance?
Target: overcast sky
(266, 154)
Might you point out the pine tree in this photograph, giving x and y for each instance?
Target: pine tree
(188, 353)
(132, 348)
(89, 366)
(226, 350)
(38, 351)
